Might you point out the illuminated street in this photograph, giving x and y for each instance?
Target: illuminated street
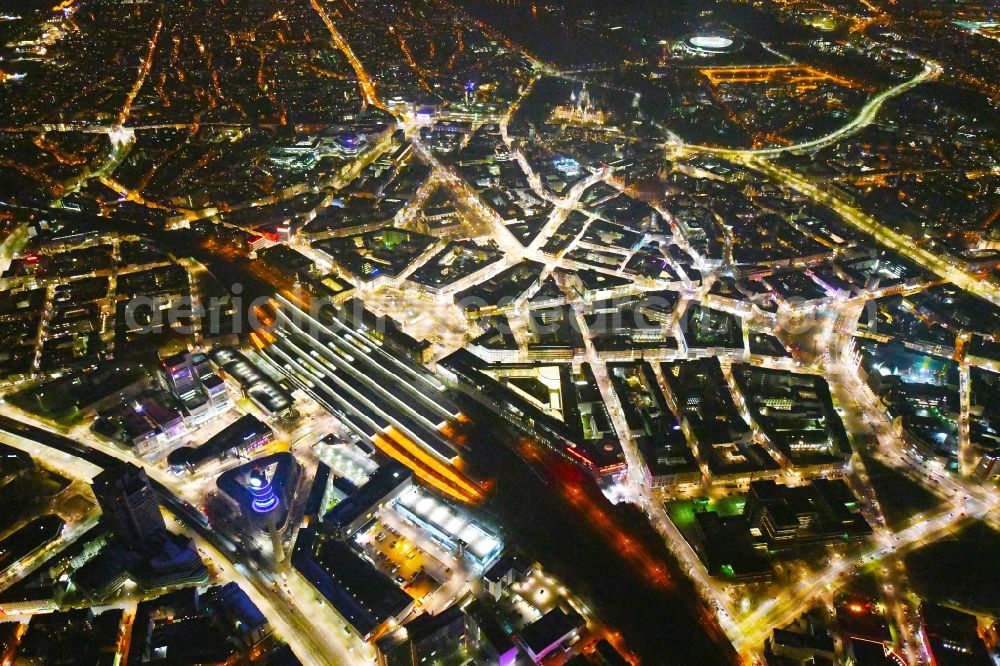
(522, 332)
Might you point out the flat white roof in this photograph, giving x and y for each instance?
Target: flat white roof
(449, 520)
(710, 42)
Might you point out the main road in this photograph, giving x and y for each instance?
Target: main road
(313, 636)
(758, 159)
(894, 240)
(866, 115)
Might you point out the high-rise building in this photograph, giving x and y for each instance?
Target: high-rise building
(265, 502)
(264, 499)
(190, 379)
(129, 504)
(179, 373)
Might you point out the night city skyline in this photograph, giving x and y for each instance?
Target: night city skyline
(466, 332)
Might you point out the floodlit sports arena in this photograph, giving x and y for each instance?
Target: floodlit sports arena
(709, 43)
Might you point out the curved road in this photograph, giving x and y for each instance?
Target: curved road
(864, 118)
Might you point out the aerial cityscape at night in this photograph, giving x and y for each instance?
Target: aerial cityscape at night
(513, 332)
